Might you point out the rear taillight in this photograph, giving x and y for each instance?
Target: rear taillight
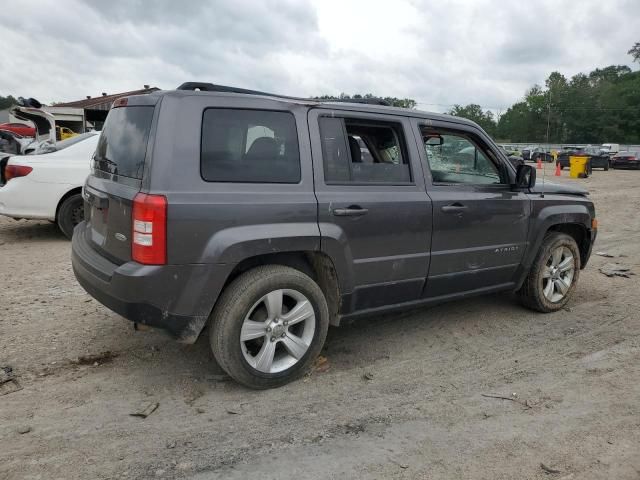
(149, 229)
(15, 171)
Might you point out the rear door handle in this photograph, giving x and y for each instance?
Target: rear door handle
(352, 211)
(455, 208)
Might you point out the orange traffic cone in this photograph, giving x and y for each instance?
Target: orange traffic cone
(539, 166)
(558, 170)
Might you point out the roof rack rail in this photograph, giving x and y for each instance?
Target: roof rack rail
(212, 87)
(368, 101)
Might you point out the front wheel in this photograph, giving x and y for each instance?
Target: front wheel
(70, 213)
(553, 275)
(268, 326)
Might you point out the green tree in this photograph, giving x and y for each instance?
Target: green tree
(475, 113)
(635, 52)
(7, 102)
(600, 106)
(393, 101)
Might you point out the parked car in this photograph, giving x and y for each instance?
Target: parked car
(12, 143)
(45, 122)
(626, 160)
(255, 214)
(48, 186)
(610, 148)
(597, 159)
(63, 133)
(542, 154)
(527, 151)
(513, 150)
(20, 128)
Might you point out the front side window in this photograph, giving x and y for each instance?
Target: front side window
(359, 151)
(455, 158)
(249, 146)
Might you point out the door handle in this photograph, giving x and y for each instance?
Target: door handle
(454, 208)
(352, 211)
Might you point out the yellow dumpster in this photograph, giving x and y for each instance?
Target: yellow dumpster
(578, 166)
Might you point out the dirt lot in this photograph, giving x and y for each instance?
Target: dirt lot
(402, 396)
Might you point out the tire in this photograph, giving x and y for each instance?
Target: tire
(533, 293)
(606, 167)
(243, 308)
(70, 213)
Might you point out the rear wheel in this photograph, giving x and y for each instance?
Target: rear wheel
(268, 326)
(70, 213)
(606, 166)
(553, 275)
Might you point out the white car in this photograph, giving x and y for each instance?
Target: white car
(48, 185)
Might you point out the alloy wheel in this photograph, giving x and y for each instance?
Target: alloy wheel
(278, 331)
(557, 274)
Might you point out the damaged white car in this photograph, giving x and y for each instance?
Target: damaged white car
(46, 183)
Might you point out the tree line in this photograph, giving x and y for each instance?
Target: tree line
(601, 106)
(7, 102)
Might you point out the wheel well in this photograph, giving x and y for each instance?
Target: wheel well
(580, 234)
(315, 264)
(73, 191)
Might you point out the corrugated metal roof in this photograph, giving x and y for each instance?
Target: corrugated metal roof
(103, 102)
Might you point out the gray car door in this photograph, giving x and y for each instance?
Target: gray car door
(480, 224)
(373, 212)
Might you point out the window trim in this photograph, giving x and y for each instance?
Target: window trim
(478, 143)
(365, 121)
(229, 182)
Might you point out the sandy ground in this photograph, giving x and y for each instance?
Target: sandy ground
(402, 396)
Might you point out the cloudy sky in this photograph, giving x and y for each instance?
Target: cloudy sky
(438, 52)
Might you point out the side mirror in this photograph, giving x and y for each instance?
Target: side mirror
(433, 140)
(525, 177)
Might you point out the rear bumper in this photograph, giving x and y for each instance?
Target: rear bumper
(625, 165)
(175, 298)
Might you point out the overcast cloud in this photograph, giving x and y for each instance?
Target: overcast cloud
(437, 52)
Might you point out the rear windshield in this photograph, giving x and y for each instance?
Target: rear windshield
(123, 142)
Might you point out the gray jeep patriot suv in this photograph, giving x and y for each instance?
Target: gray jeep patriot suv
(270, 218)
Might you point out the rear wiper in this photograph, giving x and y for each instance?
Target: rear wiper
(105, 160)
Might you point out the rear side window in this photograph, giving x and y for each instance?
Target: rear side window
(362, 151)
(123, 142)
(249, 146)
